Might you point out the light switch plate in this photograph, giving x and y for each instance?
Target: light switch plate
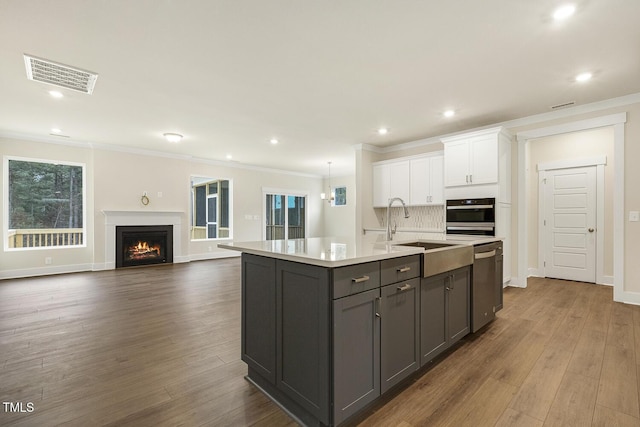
(634, 216)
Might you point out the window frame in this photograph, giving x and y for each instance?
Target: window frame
(5, 199)
(205, 181)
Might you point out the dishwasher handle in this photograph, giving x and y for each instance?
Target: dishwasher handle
(483, 255)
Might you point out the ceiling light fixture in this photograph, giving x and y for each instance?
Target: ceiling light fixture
(56, 94)
(229, 157)
(383, 131)
(56, 130)
(273, 141)
(449, 113)
(583, 77)
(173, 137)
(564, 12)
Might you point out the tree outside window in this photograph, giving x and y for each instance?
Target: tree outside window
(45, 204)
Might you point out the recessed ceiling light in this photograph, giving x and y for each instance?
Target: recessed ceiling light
(273, 141)
(383, 131)
(55, 130)
(583, 77)
(173, 137)
(229, 157)
(56, 94)
(449, 113)
(563, 12)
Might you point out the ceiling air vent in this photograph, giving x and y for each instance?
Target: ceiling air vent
(564, 105)
(46, 71)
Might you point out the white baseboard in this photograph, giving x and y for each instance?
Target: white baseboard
(45, 271)
(213, 255)
(607, 280)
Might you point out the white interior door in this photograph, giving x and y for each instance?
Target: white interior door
(570, 224)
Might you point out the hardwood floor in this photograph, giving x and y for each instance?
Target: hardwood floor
(161, 346)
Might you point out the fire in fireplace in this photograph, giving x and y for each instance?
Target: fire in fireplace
(144, 245)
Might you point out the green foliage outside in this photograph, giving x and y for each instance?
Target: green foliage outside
(44, 195)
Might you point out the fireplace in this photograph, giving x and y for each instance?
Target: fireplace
(144, 245)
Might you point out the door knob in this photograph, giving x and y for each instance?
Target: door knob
(591, 230)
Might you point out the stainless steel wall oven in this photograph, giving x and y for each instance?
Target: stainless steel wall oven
(472, 216)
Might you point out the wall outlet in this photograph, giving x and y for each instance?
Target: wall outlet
(634, 216)
(159, 194)
(48, 260)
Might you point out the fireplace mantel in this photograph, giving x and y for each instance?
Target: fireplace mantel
(115, 218)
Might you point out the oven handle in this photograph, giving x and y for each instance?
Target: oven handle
(470, 228)
(471, 207)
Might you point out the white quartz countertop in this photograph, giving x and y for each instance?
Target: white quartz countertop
(341, 251)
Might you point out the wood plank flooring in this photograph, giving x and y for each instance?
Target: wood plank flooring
(158, 346)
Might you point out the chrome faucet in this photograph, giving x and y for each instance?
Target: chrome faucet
(406, 215)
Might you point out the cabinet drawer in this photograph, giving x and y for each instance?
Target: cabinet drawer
(397, 269)
(352, 279)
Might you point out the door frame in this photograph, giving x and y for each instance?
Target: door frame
(599, 162)
(617, 121)
(286, 193)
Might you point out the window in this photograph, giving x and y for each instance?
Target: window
(211, 208)
(45, 204)
(285, 216)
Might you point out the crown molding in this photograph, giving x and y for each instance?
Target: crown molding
(151, 153)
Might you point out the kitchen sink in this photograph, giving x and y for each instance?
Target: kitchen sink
(428, 245)
(441, 257)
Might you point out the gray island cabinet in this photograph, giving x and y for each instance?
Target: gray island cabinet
(326, 340)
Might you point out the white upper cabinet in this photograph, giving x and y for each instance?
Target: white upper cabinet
(381, 184)
(427, 186)
(416, 180)
(478, 159)
(471, 161)
(390, 179)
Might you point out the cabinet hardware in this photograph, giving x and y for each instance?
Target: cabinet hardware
(404, 269)
(483, 255)
(591, 230)
(466, 177)
(451, 282)
(404, 287)
(378, 303)
(470, 178)
(360, 279)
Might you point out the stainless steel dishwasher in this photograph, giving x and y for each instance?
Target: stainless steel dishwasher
(486, 285)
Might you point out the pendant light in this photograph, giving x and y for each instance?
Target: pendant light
(332, 195)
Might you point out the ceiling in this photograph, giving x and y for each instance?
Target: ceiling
(319, 76)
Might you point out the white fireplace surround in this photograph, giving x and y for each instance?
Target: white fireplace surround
(116, 218)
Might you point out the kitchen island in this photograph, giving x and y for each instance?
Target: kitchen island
(329, 325)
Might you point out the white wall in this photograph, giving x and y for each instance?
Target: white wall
(116, 180)
(341, 220)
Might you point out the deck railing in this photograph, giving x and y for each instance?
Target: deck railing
(45, 237)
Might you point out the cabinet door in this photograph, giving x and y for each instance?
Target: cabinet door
(484, 160)
(303, 327)
(356, 353)
(433, 335)
(456, 163)
(381, 181)
(458, 304)
(258, 346)
(436, 180)
(399, 180)
(400, 325)
(420, 181)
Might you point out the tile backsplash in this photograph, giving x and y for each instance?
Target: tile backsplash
(420, 217)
